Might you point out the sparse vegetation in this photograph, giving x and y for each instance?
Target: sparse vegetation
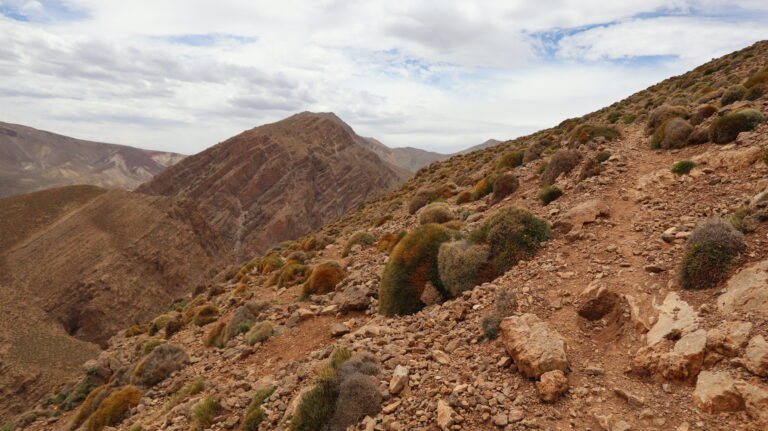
(506, 184)
(203, 413)
(289, 275)
(733, 94)
(726, 128)
(510, 160)
(317, 405)
(663, 113)
(206, 314)
(709, 252)
(603, 156)
(683, 167)
(412, 263)
(269, 263)
(756, 92)
(259, 332)
(761, 77)
(254, 414)
(361, 238)
(589, 132)
(505, 305)
(113, 408)
(548, 194)
(436, 212)
(215, 337)
(562, 162)
(484, 187)
(323, 279)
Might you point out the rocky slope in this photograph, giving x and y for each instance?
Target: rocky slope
(84, 262)
(595, 329)
(32, 159)
(279, 181)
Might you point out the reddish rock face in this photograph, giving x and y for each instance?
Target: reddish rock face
(279, 181)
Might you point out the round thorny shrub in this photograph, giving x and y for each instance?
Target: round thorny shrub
(662, 114)
(756, 92)
(412, 263)
(512, 234)
(361, 238)
(726, 128)
(588, 132)
(709, 252)
(461, 265)
(683, 168)
(510, 160)
(562, 162)
(733, 94)
(672, 133)
(436, 212)
(702, 113)
(548, 194)
(323, 279)
(506, 184)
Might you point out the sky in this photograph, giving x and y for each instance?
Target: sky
(182, 75)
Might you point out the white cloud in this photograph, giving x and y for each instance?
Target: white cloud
(442, 75)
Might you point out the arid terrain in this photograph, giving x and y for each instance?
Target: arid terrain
(608, 273)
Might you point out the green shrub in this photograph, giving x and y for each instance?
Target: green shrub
(361, 238)
(259, 332)
(709, 252)
(726, 128)
(664, 113)
(323, 279)
(672, 133)
(490, 325)
(548, 194)
(317, 405)
(510, 160)
(206, 314)
(733, 94)
(436, 212)
(89, 405)
(756, 92)
(192, 388)
(588, 132)
(512, 234)
(562, 162)
(412, 263)
(702, 113)
(113, 408)
(203, 413)
(289, 275)
(761, 77)
(506, 184)
(683, 168)
(743, 220)
(254, 414)
(460, 265)
(269, 263)
(358, 397)
(422, 198)
(484, 187)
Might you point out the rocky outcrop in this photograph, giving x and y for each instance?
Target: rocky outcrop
(675, 317)
(533, 346)
(756, 357)
(32, 160)
(747, 291)
(278, 181)
(716, 392)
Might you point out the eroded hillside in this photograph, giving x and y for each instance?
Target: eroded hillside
(623, 296)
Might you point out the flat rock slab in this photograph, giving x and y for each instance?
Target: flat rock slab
(675, 316)
(534, 347)
(747, 291)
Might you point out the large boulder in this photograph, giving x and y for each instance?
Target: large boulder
(730, 338)
(716, 392)
(747, 291)
(687, 357)
(159, 364)
(755, 400)
(581, 214)
(534, 347)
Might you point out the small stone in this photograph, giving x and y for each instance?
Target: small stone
(552, 385)
(446, 416)
(339, 329)
(501, 420)
(399, 380)
(441, 357)
(653, 269)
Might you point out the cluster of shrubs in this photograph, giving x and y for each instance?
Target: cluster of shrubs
(345, 391)
(709, 253)
(105, 406)
(452, 262)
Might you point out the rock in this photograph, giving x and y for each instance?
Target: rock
(501, 420)
(446, 417)
(597, 308)
(747, 291)
(552, 385)
(586, 212)
(534, 347)
(351, 299)
(304, 314)
(675, 316)
(159, 364)
(756, 357)
(516, 415)
(729, 338)
(430, 294)
(687, 357)
(639, 321)
(653, 269)
(339, 329)
(399, 380)
(441, 357)
(755, 400)
(731, 159)
(716, 392)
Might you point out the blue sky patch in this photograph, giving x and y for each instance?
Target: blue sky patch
(209, 39)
